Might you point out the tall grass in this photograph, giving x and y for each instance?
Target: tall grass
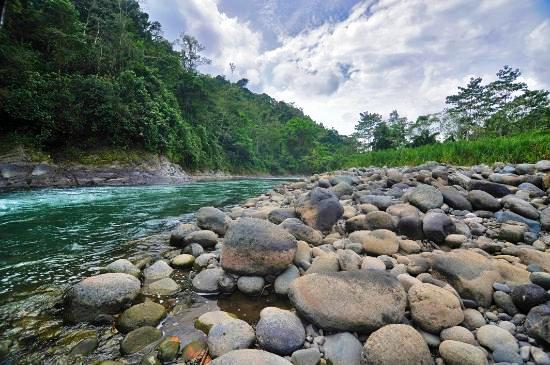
(526, 147)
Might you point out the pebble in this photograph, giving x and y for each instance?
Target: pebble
(494, 337)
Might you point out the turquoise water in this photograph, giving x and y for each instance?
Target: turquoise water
(56, 236)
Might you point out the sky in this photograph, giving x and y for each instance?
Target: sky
(337, 58)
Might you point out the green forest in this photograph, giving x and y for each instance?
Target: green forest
(81, 75)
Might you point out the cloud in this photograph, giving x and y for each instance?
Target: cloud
(375, 55)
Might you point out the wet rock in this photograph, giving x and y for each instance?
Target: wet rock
(183, 261)
(537, 323)
(207, 280)
(162, 287)
(437, 226)
(280, 331)
(205, 238)
(122, 266)
(207, 320)
(320, 209)
(359, 301)
(396, 344)
(168, 349)
(251, 285)
(139, 315)
(482, 200)
(460, 353)
(434, 308)
(139, 338)
(250, 357)
(343, 349)
(178, 234)
(100, 294)
(213, 219)
(228, 336)
(453, 198)
(257, 247)
(84, 347)
(283, 281)
(494, 337)
(302, 232)
(378, 242)
(528, 296)
(426, 197)
(159, 270)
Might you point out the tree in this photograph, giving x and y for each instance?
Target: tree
(422, 131)
(190, 53)
(364, 129)
(398, 129)
(242, 82)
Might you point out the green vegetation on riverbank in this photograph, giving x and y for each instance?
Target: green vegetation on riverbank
(527, 147)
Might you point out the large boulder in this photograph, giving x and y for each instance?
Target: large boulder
(213, 219)
(250, 357)
(396, 344)
(320, 209)
(426, 197)
(257, 247)
(470, 273)
(100, 294)
(361, 301)
(280, 331)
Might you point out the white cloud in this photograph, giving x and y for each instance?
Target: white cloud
(390, 54)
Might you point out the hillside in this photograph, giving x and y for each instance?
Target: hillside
(83, 75)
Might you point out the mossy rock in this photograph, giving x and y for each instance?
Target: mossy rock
(168, 349)
(139, 315)
(183, 261)
(206, 321)
(139, 338)
(193, 350)
(84, 347)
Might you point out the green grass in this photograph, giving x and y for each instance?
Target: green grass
(527, 147)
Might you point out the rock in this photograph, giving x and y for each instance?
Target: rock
(460, 353)
(207, 320)
(159, 270)
(213, 219)
(122, 266)
(378, 242)
(343, 349)
(194, 249)
(320, 209)
(183, 261)
(205, 238)
(396, 344)
(483, 201)
(278, 215)
(507, 356)
(494, 337)
(348, 260)
(168, 349)
(228, 336)
(342, 189)
(411, 226)
(426, 197)
(436, 226)
(409, 246)
(528, 296)
(504, 301)
(178, 234)
(458, 333)
(473, 319)
(470, 273)
(149, 359)
(545, 218)
(543, 165)
(251, 285)
(303, 255)
(309, 356)
(434, 308)
(520, 207)
(402, 210)
(540, 356)
(257, 247)
(372, 263)
(84, 347)
(162, 287)
(324, 263)
(537, 323)
(139, 315)
(505, 216)
(541, 279)
(280, 331)
(381, 202)
(532, 190)
(139, 338)
(455, 240)
(283, 281)
(511, 233)
(529, 256)
(100, 294)
(302, 232)
(494, 189)
(453, 198)
(361, 301)
(370, 221)
(250, 357)
(207, 280)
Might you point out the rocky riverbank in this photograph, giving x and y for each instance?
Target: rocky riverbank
(427, 265)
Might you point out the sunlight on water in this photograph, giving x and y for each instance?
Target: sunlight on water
(58, 235)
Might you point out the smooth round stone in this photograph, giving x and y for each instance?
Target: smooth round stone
(378, 242)
(541, 279)
(437, 226)
(343, 349)
(320, 209)
(139, 315)
(537, 323)
(408, 281)
(251, 285)
(455, 240)
(302, 232)
(205, 238)
(84, 347)
(280, 331)
(458, 333)
(494, 337)
(207, 320)
(324, 263)
(426, 197)
(502, 287)
(504, 301)
(207, 280)
(100, 294)
(250, 357)
(540, 356)
(482, 200)
(159, 270)
(194, 249)
(373, 263)
(528, 296)
(409, 246)
(348, 260)
(122, 266)
(168, 349)
(212, 219)
(473, 319)
(460, 353)
(283, 281)
(309, 356)
(162, 287)
(183, 261)
(396, 344)
(508, 356)
(139, 338)
(228, 336)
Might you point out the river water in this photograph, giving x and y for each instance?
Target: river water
(57, 236)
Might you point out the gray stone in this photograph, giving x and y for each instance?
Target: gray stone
(139, 315)
(205, 238)
(504, 301)
(473, 319)
(324, 263)
(207, 280)
(458, 333)
(453, 198)
(250, 357)
(302, 232)
(161, 287)
(482, 200)
(460, 353)
(437, 226)
(506, 355)
(228, 336)
(280, 331)
(251, 285)
(309, 356)
(213, 219)
(343, 349)
(207, 320)
(537, 323)
(520, 207)
(320, 209)
(348, 260)
(497, 190)
(278, 215)
(159, 270)
(494, 337)
(283, 281)
(426, 197)
(528, 296)
(138, 339)
(122, 266)
(541, 279)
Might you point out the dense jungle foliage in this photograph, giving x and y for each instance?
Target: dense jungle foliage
(91, 74)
